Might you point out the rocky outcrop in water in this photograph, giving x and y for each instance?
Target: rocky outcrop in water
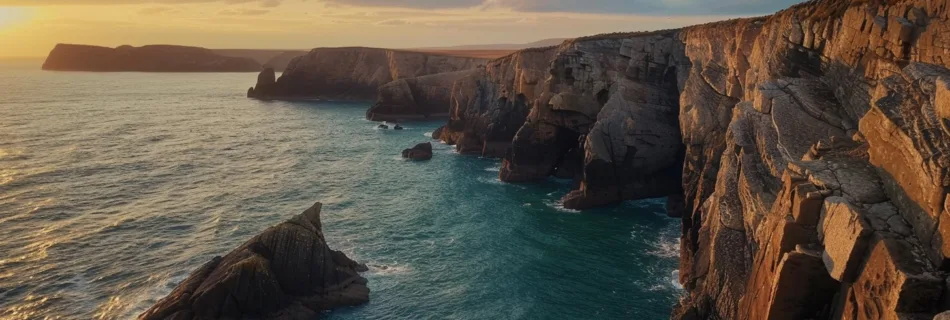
(420, 152)
(807, 152)
(154, 58)
(286, 272)
(357, 73)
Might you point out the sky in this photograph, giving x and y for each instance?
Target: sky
(31, 28)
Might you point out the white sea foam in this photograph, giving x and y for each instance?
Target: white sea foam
(559, 206)
(665, 247)
(493, 180)
(428, 135)
(493, 169)
(674, 280)
(384, 270)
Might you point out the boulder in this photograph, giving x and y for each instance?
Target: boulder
(422, 151)
(286, 272)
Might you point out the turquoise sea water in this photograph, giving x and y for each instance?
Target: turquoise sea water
(113, 187)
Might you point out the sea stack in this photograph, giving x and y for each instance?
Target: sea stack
(420, 152)
(286, 272)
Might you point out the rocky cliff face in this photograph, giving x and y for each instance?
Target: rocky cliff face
(813, 139)
(155, 58)
(286, 272)
(806, 151)
(356, 73)
(416, 98)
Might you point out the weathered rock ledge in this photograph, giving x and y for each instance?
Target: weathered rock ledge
(286, 272)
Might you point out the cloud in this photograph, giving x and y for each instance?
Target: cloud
(652, 7)
(648, 7)
(243, 12)
(39, 3)
(157, 11)
(393, 22)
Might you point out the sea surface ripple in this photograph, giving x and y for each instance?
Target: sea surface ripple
(113, 187)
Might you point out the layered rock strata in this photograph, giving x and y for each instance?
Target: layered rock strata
(419, 98)
(807, 151)
(356, 73)
(153, 58)
(286, 272)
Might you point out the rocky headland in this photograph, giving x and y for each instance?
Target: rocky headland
(153, 58)
(286, 272)
(807, 152)
(354, 73)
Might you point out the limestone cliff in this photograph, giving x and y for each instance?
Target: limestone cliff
(356, 73)
(154, 58)
(806, 151)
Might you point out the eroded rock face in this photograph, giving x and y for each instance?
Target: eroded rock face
(357, 73)
(831, 102)
(424, 97)
(491, 105)
(286, 272)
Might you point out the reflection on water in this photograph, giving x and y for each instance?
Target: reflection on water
(113, 187)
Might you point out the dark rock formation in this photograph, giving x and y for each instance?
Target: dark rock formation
(286, 272)
(265, 83)
(357, 73)
(155, 58)
(422, 151)
(437, 133)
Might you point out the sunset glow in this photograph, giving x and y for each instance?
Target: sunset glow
(28, 29)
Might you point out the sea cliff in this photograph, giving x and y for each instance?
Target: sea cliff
(807, 152)
(153, 58)
(354, 73)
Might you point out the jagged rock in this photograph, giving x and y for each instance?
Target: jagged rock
(943, 316)
(382, 126)
(437, 133)
(357, 73)
(893, 282)
(152, 58)
(266, 81)
(422, 151)
(286, 272)
(845, 234)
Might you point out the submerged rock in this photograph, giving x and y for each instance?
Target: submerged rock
(382, 126)
(422, 151)
(286, 272)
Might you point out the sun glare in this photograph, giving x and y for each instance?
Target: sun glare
(10, 16)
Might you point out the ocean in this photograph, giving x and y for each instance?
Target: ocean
(115, 186)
